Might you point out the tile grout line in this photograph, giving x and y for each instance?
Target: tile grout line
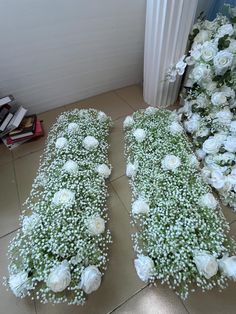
(7, 234)
(127, 210)
(129, 298)
(17, 187)
(182, 302)
(123, 175)
(114, 91)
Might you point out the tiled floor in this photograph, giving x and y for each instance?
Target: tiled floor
(121, 291)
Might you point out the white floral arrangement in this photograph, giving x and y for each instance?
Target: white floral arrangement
(60, 253)
(183, 238)
(209, 103)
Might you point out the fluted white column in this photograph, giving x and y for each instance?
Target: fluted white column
(168, 23)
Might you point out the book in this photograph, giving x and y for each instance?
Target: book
(6, 100)
(3, 112)
(6, 121)
(38, 132)
(26, 128)
(15, 121)
(12, 146)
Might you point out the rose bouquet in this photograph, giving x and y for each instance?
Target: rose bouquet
(60, 253)
(209, 106)
(182, 238)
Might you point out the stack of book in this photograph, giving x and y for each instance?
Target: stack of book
(15, 127)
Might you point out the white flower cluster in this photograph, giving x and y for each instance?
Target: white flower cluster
(60, 253)
(182, 237)
(208, 113)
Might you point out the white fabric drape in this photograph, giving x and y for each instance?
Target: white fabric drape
(168, 23)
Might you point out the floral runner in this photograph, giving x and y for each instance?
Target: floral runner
(60, 253)
(182, 237)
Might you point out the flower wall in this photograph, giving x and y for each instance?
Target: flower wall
(209, 108)
(60, 253)
(182, 236)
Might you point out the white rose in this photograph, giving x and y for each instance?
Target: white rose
(230, 144)
(195, 54)
(201, 37)
(200, 154)
(95, 225)
(59, 278)
(226, 29)
(206, 264)
(211, 146)
(70, 167)
(128, 122)
(151, 110)
(131, 169)
(61, 142)
(200, 72)
(201, 101)
(90, 142)
(220, 137)
(218, 98)
(139, 135)
(193, 124)
(19, 284)
(144, 266)
(232, 46)
(193, 162)
(228, 92)
(140, 207)
(29, 222)
(103, 170)
(208, 200)
(73, 127)
(64, 197)
(205, 172)
(90, 279)
(208, 51)
(217, 179)
(228, 266)
(224, 116)
(223, 61)
(190, 60)
(175, 128)
(210, 86)
(231, 178)
(170, 162)
(233, 126)
(202, 132)
(102, 117)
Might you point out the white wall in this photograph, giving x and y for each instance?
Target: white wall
(55, 52)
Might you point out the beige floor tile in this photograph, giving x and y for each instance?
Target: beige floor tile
(212, 302)
(48, 119)
(5, 154)
(116, 151)
(26, 168)
(153, 300)
(121, 186)
(120, 281)
(133, 95)
(109, 102)
(233, 230)
(228, 213)
(9, 203)
(9, 304)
